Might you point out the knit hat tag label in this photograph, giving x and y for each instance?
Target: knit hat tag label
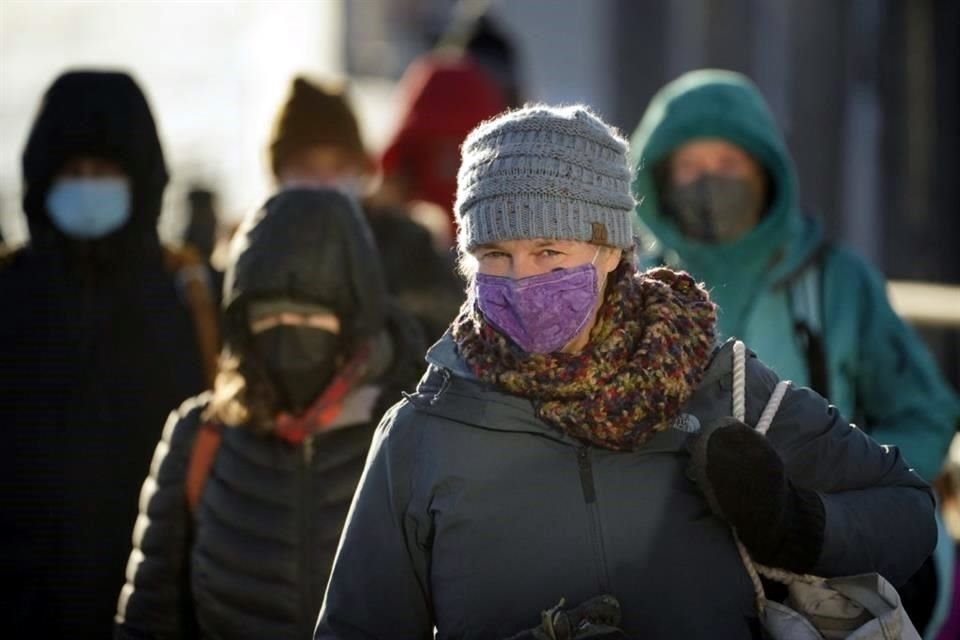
(598, 233)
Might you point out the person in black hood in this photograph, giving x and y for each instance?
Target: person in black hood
(95, 346)
(251, 483)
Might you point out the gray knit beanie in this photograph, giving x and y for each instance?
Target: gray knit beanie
(544, 172)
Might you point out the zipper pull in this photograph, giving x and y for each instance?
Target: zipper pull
(308, 449)
(586, 474)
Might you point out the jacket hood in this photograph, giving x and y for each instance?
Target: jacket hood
(95, 113)
(713, 103)
(309, 245)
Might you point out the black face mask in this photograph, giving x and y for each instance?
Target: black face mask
(712, 208)
(300, 362)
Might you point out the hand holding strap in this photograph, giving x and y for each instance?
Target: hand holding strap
(744, 481)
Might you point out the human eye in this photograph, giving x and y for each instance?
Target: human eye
(548, 253)
(492, 254)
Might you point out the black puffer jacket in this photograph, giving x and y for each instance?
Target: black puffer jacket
(96, 345)
(253, 560)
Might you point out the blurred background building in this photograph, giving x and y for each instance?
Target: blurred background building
(866, 90)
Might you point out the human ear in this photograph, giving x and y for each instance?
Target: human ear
(610, 258)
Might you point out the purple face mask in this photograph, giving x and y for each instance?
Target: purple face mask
(541, 313)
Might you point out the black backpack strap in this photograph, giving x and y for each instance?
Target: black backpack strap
(805, 297)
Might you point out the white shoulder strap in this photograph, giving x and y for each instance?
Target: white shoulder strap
(739, 381)
(754, 570)
(740, 389)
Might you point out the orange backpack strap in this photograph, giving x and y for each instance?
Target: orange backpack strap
(201, 460)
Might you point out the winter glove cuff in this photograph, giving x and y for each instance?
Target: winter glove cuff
(802, 540)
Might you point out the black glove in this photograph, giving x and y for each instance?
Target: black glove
(744, 481)
(596, 619)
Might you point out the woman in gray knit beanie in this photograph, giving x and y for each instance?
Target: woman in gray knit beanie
(544, 456)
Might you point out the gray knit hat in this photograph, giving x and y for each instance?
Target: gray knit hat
(544, 172)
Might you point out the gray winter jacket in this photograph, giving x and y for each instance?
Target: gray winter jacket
(473, 516)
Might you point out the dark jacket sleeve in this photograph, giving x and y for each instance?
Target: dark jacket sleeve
(879, 514)
(155, 602)
(379, 585)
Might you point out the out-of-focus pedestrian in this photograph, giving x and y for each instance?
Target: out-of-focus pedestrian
(202, 222)
(96, 344)
(441, 99)
(200, 238)
(546, 453)
(317, 143)
(250, 485)
(490, 45)
(485, 40)
(720, 197)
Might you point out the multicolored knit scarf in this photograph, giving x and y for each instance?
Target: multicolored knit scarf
(653, 337)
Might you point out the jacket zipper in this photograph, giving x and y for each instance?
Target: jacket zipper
(596, 532)
(307, 612)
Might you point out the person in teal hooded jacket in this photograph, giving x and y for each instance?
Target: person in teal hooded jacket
(719, 197)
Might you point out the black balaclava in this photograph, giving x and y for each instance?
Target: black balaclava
(300, 361)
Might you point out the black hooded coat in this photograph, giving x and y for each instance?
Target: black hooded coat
(251, 559)
(95, 347)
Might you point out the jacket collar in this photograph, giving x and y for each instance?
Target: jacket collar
(720, 366)
(444, 354)
(450, 390)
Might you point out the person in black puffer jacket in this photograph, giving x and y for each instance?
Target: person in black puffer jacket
(250, 484)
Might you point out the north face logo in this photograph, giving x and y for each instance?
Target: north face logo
(686, 422)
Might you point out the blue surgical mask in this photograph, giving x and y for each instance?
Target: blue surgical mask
(89, 208)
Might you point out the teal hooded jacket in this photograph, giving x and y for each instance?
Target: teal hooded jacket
(879, 374)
